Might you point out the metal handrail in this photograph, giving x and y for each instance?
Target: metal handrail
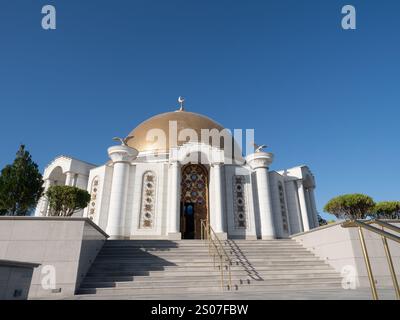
(216, 248)
(385, 235)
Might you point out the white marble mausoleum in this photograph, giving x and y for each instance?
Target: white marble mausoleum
(163, 180)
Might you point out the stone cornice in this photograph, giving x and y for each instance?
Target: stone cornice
(87, 220)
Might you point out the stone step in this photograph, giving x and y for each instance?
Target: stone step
(201, 258)
(265, 271)
(272, 272)
(137, 291)
(193, 265)
(203, 251)
(215, 277)
(208, 261)
(186, 266)
(197, 245)
(196, 241)
(161, 267)
(207, 282)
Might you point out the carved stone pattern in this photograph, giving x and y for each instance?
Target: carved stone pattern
(283, 207)
(194, 185)
(239, 202)
(93, 198)
(148, 201)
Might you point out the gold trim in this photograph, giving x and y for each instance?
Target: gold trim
(217, 250)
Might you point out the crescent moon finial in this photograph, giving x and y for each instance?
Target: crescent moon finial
(181, 101)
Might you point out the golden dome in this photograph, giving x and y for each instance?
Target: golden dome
(184, 120)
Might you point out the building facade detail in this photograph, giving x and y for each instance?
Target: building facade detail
(147, 214)
(155, 188)
(239, 202)
(93, 198)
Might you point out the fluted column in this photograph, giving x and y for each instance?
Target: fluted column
(260, 162)
(216, 176)
(121, 157)
(303, 206)
(174, 201)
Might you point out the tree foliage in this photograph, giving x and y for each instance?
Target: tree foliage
(387, 210)
(66, 200)
(21, 185)
(350, 206)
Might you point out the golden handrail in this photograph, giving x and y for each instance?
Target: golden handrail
(216, 248)
(385, 235)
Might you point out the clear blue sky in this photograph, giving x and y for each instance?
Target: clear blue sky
(316, 94)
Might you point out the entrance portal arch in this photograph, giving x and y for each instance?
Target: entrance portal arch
(194, 199)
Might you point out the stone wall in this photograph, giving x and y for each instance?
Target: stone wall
(15, 279)
(341, 248)
(66, 245)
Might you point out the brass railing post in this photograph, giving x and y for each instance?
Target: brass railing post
(222, 272)
(368, 264)
(385, 236)
(391, 267)
(215, 248)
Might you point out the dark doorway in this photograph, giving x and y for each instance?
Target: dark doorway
(188, 221)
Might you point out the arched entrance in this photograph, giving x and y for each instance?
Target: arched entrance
(194, 200)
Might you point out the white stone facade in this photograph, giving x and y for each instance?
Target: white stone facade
(139, 197)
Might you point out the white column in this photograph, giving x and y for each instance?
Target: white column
(43, 206)
(216, 176)
(293, 207)
(174, 201)
(314, 207)
(121, 157)
(264, 197)
(310, 213)
(69, 178)
(259, 162)
(303, 206)
(75, 180)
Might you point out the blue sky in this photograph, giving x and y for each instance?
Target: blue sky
(316, 94)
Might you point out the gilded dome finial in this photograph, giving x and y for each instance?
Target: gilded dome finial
(181, 101)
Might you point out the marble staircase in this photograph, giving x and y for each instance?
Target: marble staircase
(137, 268)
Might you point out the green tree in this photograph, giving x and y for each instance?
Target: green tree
(21, 185)
(65, 200)
(350, 206)
(387, 210)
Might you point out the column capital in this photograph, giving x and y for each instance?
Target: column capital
(122, 154)
(260, 160)
(217, 164)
